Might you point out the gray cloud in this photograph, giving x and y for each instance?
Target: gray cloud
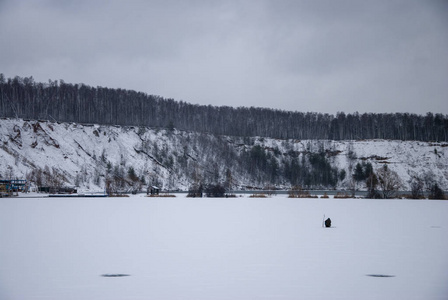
(327, 56)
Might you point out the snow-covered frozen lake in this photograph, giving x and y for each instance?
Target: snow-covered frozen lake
(241, 248)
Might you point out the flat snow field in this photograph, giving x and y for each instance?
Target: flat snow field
(240, 248)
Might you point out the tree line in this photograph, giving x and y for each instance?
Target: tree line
(79, 103)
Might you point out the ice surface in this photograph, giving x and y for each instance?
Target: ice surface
(241, 248)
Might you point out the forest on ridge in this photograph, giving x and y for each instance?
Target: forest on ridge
(79, 103)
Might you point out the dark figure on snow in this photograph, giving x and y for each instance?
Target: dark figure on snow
(328, 222)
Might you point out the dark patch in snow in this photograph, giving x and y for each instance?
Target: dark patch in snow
(376, 157)
(151, 157)
(115, 275)
(80, 147)
(435, 227)
(379, 275)
(333, 153)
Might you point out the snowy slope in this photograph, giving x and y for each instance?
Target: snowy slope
(83, 154)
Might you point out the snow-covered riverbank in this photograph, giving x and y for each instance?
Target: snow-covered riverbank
(82, 155)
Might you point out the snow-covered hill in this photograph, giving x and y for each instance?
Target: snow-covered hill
(84, 155)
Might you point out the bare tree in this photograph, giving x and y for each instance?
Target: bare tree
(389, 182)
(416, 184)
(371, 184)
(436, 192)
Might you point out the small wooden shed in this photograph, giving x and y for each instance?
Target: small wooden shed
(153, 190)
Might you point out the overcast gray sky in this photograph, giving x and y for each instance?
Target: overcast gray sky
(322, 56)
